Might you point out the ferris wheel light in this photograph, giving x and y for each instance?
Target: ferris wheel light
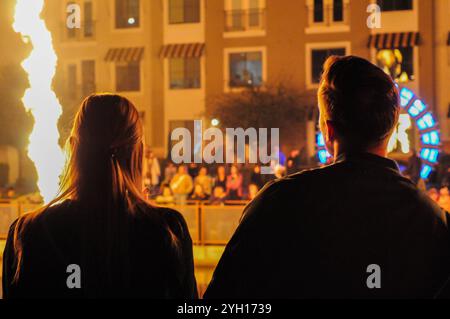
(431, 138)
(430, 155)
(323, 156)
(417, 108)
(415, 111)
(406, 95)
(425, 122)
(426, 171)
(320, 140)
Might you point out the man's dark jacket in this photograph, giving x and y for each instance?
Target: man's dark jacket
(314, 235)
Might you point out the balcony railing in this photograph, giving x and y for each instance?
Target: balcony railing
(208, 224)
(245, 20)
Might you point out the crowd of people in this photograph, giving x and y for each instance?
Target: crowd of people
(214, 184)
(353, 230)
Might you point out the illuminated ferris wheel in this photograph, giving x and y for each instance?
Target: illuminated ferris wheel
(420, 113)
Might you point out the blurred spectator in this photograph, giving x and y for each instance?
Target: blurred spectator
(444, 198)
(198, 193)
(433, 194)
(414, 167)
(291, 168)
(246, 172)
(193, 170)
(204, 180)
(166, 196)
(295, 161)
(252, 191)
(218, 197)
(10, 193)
(234, 184)
(280, 171)
(221, 178)
(152, 171)
(281, 156)
(169, 172)
(256, 177)
(181, 185)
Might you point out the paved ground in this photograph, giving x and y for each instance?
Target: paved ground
(206, 258)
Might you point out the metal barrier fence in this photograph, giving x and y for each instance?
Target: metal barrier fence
(208, 224)
(10, 211)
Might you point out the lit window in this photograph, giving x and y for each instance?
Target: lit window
(319, 57)
(395, 5)
(398, 63)
(128, 77)
(127, 14)
(184, 11)
(245, 69)
(184, 73)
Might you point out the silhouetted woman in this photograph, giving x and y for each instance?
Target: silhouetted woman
(101, 222)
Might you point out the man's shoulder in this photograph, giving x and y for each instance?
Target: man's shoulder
(303, 178)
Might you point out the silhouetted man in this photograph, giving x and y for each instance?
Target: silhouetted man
(354, 229)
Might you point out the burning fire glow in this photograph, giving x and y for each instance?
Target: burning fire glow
(39, 99)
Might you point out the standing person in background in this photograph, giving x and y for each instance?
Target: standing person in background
(169, 172)
(256, 177)
(198, 194)
(444, 198)
(204, 180)
(101, 221)
(152, 172)
(193, 170)
(281, 156)
(293, 163)
(234, 184)
(246, 172)
(252, 192)
(221, 178)
(414, 167)
(218, 196)
(181, 185)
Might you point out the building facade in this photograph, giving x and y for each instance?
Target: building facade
(173, 56)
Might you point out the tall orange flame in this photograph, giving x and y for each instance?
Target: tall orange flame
(39, 98)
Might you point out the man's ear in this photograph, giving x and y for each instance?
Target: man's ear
(331, 132)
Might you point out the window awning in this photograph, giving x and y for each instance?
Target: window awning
(124, 55)
(394, 40)
(184, 50)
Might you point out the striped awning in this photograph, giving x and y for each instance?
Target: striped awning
(184, 50)
(124, 55)
(394, 40)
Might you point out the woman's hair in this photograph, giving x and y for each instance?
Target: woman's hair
(103, 177)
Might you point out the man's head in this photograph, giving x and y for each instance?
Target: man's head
(359, 106)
